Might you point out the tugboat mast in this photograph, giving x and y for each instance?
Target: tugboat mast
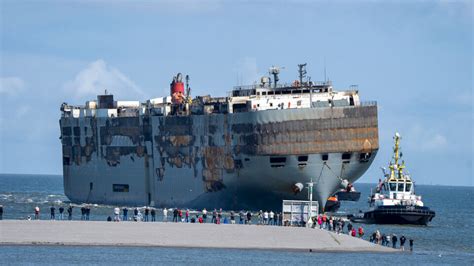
(395, 165)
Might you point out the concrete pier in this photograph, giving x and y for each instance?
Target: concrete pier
(157, 234)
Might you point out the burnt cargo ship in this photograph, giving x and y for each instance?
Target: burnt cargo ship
(248, 150)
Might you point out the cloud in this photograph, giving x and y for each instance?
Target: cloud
(11, 85)
(99, 76)
(425, 139)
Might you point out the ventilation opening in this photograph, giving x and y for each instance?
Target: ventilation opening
(120, 187)
(303, 158)
(346, 156)
(364, 157)
(325, 157)
(277, 159)
(277, 162)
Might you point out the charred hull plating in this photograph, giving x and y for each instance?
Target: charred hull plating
(240, 160)
(244, 151)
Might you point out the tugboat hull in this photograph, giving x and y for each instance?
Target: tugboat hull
(400, 215)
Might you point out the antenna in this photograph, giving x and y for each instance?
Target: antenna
(275, 70)
(302, 72)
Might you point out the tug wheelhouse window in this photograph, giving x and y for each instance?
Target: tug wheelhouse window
(401, 187)
(393, 186)
(408, 187)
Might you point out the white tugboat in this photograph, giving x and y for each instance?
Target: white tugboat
(395, 201)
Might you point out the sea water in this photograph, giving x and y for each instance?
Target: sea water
(448, 239)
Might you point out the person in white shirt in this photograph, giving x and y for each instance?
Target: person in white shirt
(272, 216)
(116, 213)
(165, 215)
(265, 217)
(204, 215)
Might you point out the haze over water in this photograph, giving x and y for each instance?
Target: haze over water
(447, 240)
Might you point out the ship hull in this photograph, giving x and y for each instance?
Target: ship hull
(234, 161)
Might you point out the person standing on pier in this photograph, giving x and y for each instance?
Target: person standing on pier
(241, 217)
(232, 217)
(69, 213)
(175, 215)
(135, 214)
(214, 216)
(53, 216)
(88, 212)
(165, 215)
(361, 232)
(411, 244)
(249, 217)
(124, 214)
(204, 215)
(1, 212)
(61, 210)
(219, 215)
(83, 213)
(187, 216)
(37, 213)
(153, 215)
(147, 212)
(349, 228)
(394, 241)
(402, 242)
(116, 214)
(265, 218)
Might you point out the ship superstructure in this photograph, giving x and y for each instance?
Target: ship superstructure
(248, 150)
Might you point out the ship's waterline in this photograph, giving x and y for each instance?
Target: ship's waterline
(217, 152)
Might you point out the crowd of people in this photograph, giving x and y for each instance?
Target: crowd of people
(386, 239)
(186, 216)
(337, 225)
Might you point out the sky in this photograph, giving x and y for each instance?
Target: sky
(413, 57)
